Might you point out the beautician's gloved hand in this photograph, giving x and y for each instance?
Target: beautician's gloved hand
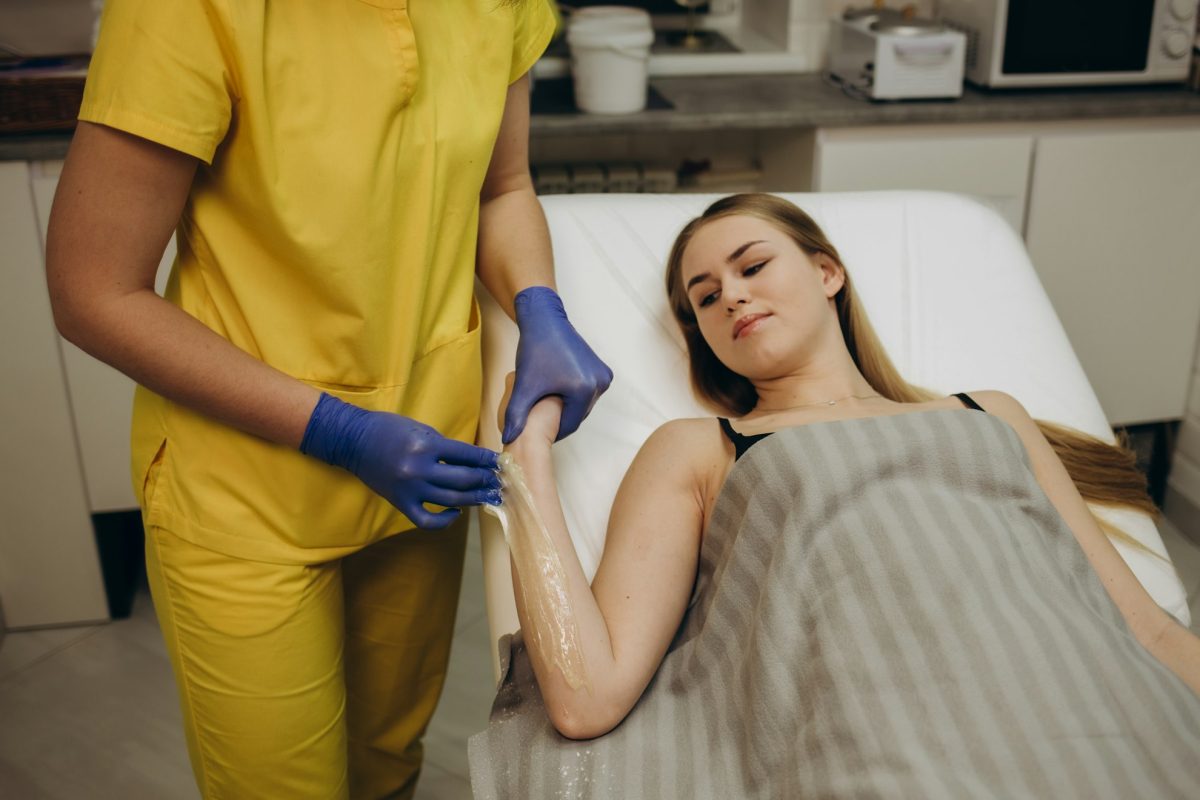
(405, 461)
(552, 359)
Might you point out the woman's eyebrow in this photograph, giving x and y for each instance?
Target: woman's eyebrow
(728, 260)
(734, 255)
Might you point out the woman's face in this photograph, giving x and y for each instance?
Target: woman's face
(763, 304)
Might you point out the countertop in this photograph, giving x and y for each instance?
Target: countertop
(756, 102)
(742, 102)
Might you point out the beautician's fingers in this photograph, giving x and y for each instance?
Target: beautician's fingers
(451, 498)
(392, 454)
(552, 359)
(522, 398)
(543, 418)
(428, 520)
(453, 451)
(574, 412)
(464, 479)
(505, 399)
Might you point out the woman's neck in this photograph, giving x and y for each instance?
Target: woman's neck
(839, 381)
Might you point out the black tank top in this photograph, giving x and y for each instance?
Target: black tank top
(743, 443)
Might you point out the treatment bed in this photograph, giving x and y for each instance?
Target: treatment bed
(861, 623)
(946, 283)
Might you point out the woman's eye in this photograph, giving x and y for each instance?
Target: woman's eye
(708, 299)
(751, 270)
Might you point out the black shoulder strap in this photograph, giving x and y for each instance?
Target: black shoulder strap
(740, 443)
(968, 402)
(732, 435)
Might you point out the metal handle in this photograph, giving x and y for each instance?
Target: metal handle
(922, 54)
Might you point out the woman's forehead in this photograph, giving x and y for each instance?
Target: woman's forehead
(715, 241)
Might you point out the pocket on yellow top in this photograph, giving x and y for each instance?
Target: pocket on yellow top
(243, 496)
(152, 475)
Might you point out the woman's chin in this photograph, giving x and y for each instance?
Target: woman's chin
(758, 363)
(757, 372)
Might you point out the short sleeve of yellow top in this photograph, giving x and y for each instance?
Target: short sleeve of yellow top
(330, 231)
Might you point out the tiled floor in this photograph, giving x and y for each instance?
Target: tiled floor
(90, 712)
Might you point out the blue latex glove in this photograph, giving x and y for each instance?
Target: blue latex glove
(552, 359)
(405, 461)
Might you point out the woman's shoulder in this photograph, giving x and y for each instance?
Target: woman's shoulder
(689, 434)
(699, 452)
(693, 443)
(1007, 408)
(997, 402)
(682, 457)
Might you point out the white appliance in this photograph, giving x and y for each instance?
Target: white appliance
(1015, 43)
(740, 37)
(887, 56)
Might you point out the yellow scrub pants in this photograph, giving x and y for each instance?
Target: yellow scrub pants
(309, 681)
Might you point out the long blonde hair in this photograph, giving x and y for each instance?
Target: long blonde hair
(1105, 474)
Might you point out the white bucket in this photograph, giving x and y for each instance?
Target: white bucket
(610, 51)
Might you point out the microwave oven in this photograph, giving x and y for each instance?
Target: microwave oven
(1030, 43)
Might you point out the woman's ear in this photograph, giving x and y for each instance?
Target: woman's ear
(833, 274)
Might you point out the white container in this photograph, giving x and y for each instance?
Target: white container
(610, 53)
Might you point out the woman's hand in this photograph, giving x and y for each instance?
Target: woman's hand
(541, 426)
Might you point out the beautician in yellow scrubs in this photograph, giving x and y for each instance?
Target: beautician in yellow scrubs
(336, 173)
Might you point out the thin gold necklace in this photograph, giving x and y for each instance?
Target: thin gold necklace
(832, 402)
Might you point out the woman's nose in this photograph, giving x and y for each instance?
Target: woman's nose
(735, 301)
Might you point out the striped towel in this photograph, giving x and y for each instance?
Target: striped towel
(885, 607)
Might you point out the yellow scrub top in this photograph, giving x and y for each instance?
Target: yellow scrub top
(330, 231)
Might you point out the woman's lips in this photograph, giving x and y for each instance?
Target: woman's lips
(746, 323)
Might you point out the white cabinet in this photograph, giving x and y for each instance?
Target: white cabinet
(66, 427)
(49, 569)
(1114, 231)
(1110, 211)
(101, 397)
(990, 165)
(988, 162)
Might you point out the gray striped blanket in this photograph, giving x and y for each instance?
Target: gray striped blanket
(885, 607)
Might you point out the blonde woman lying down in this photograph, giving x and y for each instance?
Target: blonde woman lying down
(844, 585)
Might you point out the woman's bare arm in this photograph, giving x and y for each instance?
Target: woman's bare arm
(118, 201)
(629, 614)
(1172, 644)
